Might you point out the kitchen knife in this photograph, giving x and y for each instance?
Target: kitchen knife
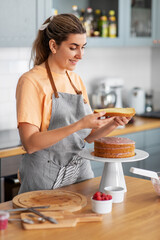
(50, 219)
(26, 209)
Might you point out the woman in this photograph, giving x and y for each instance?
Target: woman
(53, 112)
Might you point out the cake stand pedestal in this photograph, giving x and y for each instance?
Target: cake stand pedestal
(113, 171)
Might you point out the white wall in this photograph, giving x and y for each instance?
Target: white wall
(13, 62)
(131, 64)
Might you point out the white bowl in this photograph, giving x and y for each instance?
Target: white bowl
(116, 192)
(101, 206)
(4, 215)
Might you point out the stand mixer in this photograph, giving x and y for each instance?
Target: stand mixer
(108, 93)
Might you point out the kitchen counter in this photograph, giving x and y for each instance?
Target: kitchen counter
(136, 218)
(10, 143)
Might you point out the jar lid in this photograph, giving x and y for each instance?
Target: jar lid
(4, 215)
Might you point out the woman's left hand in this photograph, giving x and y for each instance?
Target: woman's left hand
(122, 120)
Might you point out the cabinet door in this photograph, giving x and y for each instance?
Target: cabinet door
(156, 41)
(139, 144)
(17, 23)
(140, 22)
(97, 167)
(153, 161)
(10, 165)
(152, 146)
(20, 20)
(158, 21)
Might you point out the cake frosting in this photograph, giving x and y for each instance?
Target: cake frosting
(114, 147)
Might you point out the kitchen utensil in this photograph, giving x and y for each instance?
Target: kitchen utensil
(103, 100)
(24, 220)
(26, 209)
(155, 177)
(57, 199)
(149, 101)
(65, 219)
(50, 219)
(39, 219)
(114, 84)
(108, 93)
(137, 100)
(116, 192)
(143, 172)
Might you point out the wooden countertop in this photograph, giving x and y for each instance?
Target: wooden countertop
(136, 218)
(139, 124)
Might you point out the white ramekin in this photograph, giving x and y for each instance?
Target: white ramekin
(101, 206)
(116, 192)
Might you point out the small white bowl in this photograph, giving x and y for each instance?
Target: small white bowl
(101, 206)
(116, 192)
(4, 215)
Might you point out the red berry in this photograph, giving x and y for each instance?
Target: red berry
(103, 195)
(97, 194)
(99, 198)
(108, 197)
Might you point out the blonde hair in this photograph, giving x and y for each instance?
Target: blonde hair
(58, 29)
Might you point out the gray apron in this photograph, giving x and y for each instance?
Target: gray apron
(59, 165)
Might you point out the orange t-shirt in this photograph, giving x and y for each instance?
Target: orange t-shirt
(34, 95)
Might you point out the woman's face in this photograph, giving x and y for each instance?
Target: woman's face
(69, 52)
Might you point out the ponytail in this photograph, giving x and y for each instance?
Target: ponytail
(40, 49)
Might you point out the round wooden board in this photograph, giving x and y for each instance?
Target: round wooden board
(57, 199)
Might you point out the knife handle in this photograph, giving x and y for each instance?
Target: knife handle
(50, 219)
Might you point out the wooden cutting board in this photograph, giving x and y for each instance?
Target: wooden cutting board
(64, 220)
(57, 199)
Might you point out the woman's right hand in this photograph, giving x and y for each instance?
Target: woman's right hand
(94, 120)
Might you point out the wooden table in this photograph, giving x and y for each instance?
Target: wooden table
(137, 218)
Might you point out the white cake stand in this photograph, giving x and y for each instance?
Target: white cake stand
(113, 172)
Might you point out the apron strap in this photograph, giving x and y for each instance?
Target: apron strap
(51, 79)
(54, 86)
(75, 89)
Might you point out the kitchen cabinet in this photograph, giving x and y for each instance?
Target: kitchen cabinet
(141, 22)
(20, 20)
(9, 184)
(156, 41)
(117, 5)
(138, 22)
(152, 146)
(97, 167)
(148, 141)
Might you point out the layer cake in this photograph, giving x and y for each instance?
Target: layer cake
(114, 147)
